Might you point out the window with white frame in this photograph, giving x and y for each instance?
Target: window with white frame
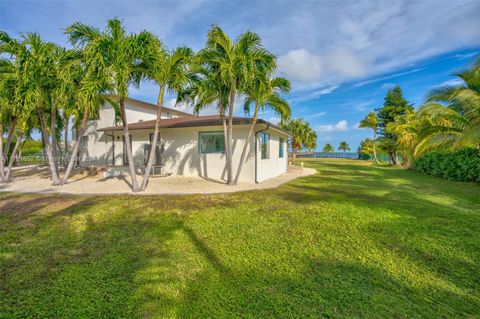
(265, 145)
(211, 142)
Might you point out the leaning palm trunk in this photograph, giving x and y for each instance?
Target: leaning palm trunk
(11, 129)
(53, 132)
(48, 148)
(230, 137)
(294, 155)
(246, 145)
(154, 140)
(76, 146)
(126, 138)
(12, 158)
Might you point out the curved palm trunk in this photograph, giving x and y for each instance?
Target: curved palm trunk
(12, 158)
(126, 137)
(375, 160)
(245, 146)
(76, 147)
(48, 148)
(230, 135)
(153, 146)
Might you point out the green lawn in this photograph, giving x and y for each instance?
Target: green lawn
(351, 241)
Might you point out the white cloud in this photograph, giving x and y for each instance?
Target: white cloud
(340, 126)
(452, 82)
(315, 115)
(312, 95)
(387, 86)
(306, 69)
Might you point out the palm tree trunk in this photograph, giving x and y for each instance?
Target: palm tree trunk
(12, 158)
(374, 144)
(126, 138)
(245, 146)
(65, 141)
(2, 172)
(153, 145)
(294, 155)
(230, 133)
(11, 129)
(75, 148)
(226, 145)
(48, 148)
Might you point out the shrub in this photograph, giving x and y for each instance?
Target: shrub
(462, 165)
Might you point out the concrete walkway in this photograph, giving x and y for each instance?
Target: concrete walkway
(35, 179)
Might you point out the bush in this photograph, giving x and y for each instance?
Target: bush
(462, 165)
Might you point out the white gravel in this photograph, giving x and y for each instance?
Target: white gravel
(35, 179)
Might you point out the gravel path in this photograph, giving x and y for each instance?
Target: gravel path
(35, 179)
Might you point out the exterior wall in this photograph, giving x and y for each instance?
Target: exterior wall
(94, 151)
(274, 165)
(180, 155)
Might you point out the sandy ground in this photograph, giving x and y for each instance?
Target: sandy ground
(35, 179)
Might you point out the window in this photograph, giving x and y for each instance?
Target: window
(211, 142)
(265, 145)
(281, 149)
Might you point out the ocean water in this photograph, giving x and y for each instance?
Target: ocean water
(352, 155)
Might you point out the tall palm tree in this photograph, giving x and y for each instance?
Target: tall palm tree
(455, 114)
(169, 70)
(264, 93)
(207, 90)
(344, 146)
(234, 63)
(118, 58)
(328, 148)
(371, 121)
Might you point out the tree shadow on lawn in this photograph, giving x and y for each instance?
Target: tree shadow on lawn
(326, 288)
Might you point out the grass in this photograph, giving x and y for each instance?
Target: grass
(352, 241)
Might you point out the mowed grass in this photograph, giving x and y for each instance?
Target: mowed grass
(351, 241)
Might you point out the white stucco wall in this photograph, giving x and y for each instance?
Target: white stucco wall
(274, 165)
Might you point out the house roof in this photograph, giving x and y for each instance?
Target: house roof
(192, 121)
(154, 106)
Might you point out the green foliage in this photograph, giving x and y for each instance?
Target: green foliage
(462, 165)
(31, 147)
(354, 241)
(328, 148)
(344, 146)
(303, 135)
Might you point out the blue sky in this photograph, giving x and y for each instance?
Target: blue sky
(341, 56)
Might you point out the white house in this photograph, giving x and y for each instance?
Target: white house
(188, 145)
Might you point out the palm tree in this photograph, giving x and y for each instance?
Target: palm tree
(264, 93)
(234, 64)
(455, 114)
(303, 135)
(408, 128)
(328, 148)
(169, 70)
(371, 121)
(119, 58)
(344, 146)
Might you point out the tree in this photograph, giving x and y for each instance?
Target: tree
(233, 63)
(119, 59)
(303, 135)
(169, 70)
(394, 105)
(371, 121)
(454, 112)
(264, 93)
(328, 148)
(344, 146)
(366, 147)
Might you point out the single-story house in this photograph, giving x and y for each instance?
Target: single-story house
(188, 145)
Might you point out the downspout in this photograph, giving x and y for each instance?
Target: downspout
(256, 150)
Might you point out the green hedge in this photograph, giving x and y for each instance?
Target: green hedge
(462, 165)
